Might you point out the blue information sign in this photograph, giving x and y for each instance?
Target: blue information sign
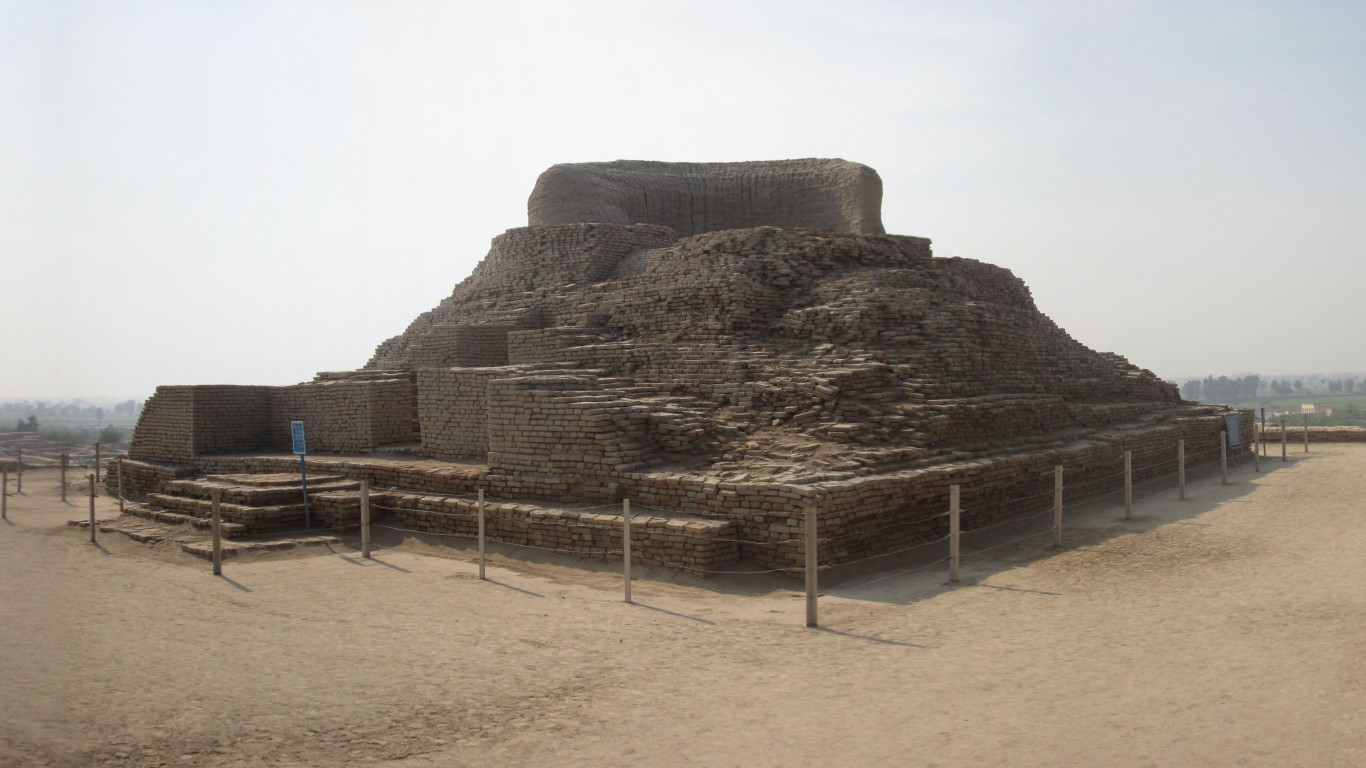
(1234, 424)
(296, 432)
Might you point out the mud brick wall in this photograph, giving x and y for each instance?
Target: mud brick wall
(879, 514)
(692, 545)
(701, 197)
(548, 424)
(858, 518)
(1295, 434)
(165, 429)
(569, 254)
(141, 478)
(992, 419)
(453, 406)
(525, 281)
(551, 345)
(391, 413)
(536, 346)
(344, 416)
(231, 419)
(434, 347)
(871, 516)
(181, 422)
(480, 346)
(719, 283)
(336, 509)
(461, 345)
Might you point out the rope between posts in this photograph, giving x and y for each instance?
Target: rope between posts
(573, 553)
(464, 515)
(906, 571)
(722, 573)
(1008, 520)
(889, 554)
(747, 542)
(588, 553)
(1005, 543)
(605, 529)
(289, 533)
(916, 521)
(1195, 459)
(984, 505)
(375, 488)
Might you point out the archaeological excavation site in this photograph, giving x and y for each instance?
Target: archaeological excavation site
(727, 346)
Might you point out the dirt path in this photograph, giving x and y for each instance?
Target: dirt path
(1229, 629)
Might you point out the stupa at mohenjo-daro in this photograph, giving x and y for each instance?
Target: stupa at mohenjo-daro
(726, 345)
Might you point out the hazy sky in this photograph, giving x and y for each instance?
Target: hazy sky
(249, 192)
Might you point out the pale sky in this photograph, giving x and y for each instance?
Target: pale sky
(249, 192)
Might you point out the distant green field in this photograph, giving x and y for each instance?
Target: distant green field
(1295, 401)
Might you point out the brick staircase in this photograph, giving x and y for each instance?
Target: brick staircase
(250, 503)
(265, 503)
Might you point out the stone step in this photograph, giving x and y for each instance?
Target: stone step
(230, 529)
(256, 519)
(204, 549)
(257, 495)
(275, 479)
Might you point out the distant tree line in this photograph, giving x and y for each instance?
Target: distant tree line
(48, 412)
(1242, 389)
(1222, 389)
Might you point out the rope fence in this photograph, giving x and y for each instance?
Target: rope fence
(1028, 509)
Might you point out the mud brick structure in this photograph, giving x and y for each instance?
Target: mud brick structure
(727, 345)
(692, 198)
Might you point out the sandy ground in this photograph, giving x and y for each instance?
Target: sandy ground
(1228, 629)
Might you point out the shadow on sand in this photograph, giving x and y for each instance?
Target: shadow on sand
(923, 573)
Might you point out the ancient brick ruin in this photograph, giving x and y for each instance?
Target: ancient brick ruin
(725, 344)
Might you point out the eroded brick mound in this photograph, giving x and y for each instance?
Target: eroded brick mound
(761, 352)
(693, 198)
(736, 341)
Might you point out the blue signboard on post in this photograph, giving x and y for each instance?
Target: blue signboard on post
(1234, 424)
(296, 436)
(296, 433)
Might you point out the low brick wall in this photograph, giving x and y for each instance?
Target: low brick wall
(165, 428)
(179, 423)
(696, 546)
(858, 518)
(453, 406)
(1295, 434)
(344, 416)
(142, 478)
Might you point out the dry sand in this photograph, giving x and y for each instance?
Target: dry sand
(1229, 629)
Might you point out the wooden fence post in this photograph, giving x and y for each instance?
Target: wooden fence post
(481, 535)
(97, 462)
(626, 545)
(215, 494)
(1181, 466)
(1223, 457)
(955, 532)
(66, 459)
(365, 517)
(91, 479)
(1128, 485)
(120, 484)
(4, 493)
(812, 563)
(19, 478)
(1306, 433)
(1257, 448)
(1057, 506)
(1284, 439)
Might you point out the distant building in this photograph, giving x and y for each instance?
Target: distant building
(1318, 409)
